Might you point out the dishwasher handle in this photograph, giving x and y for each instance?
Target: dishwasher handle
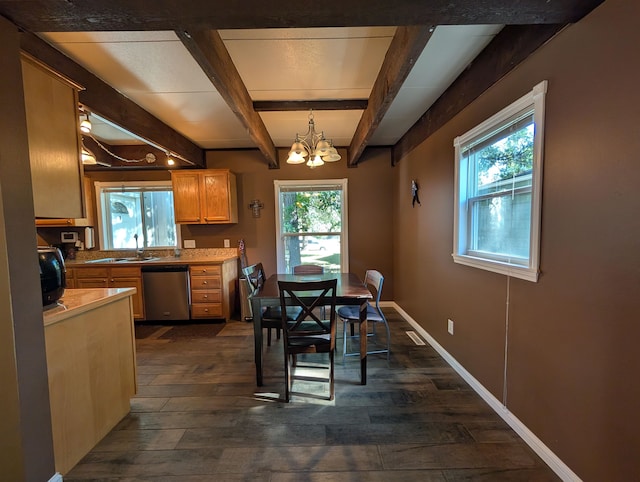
(165, 268)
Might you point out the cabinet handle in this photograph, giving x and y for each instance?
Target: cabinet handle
(112, 280)
(204, 282)
(206, 296)
(204, 270)
(206, 310)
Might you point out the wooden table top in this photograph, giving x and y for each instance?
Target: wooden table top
(349, 286)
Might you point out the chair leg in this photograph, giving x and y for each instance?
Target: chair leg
(344, 341)
(268, 336)
(331, 375)
(287, 377)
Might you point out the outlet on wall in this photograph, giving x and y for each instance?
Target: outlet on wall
(227, 243)
(189, 243)
(450, 326)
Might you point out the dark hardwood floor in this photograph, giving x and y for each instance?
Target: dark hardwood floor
(198, 416)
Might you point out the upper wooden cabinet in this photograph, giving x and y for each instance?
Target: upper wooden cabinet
(88, 220)
(205, 196)
(51, 105)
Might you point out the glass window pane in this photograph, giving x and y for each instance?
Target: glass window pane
(311, 211)
(317, 249)
(505, 164)
(501, 225)
(131, 209)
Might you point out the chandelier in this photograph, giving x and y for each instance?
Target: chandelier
(314, 146)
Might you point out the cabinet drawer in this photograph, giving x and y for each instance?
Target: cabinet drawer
(206, 310)
(96, 272)
(205, 282)
(126, 272)
(209, 296)
(206, 270)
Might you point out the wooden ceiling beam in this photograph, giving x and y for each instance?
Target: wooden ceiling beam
(110, 104)
(510, 47)
(111, 15)
(208, 49)
(406, 46)
(305, 105)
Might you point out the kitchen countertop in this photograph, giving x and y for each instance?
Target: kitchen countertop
(219, 259)
(77, 301)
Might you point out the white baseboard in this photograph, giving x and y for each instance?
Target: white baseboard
(551, 459)
(56, 478)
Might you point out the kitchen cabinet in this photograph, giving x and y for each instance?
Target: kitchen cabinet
(205, 196)
(113, 277)
(213, 290)
(70, 278)
(87, 220)
(91, 366)
(51, 105)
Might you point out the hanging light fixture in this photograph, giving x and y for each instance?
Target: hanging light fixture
(170, 161)
(85, 125)
(88, 157)
(313, 146)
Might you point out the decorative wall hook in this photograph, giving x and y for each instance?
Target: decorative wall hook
(256, 206)
(414, 193)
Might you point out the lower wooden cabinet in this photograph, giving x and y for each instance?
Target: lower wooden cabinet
(213, 290)
(112, 277)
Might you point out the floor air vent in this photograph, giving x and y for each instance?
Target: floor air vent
(414, 336)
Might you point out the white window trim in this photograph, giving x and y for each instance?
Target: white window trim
(530, 272)
(344, 244)
(101, 185)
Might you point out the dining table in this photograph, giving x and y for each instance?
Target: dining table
(350, 290)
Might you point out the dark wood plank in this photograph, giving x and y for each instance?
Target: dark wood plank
(405, 48)
(62, 15)
(110, 104)
(208, 49)
(305, 105)
(510, 47)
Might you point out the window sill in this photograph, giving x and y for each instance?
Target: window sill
(528, 274)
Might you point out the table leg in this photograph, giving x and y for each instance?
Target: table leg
(363, 343)
(257, 337)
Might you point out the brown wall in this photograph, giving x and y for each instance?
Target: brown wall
(369, 190)
(572, 337)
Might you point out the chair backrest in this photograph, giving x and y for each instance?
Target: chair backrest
(308, 269)
(255, 276)
(308, 295)
(373, 280)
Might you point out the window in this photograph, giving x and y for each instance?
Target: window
(311, 224)
(127, 209)
(498, 194)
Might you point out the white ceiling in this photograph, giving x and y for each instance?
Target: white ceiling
(157, 72)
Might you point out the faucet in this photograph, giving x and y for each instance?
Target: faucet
(139, 252)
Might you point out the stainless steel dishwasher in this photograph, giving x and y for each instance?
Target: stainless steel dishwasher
(166, 292)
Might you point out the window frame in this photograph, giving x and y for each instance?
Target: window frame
(528, 268)
(100, 185)
(344, 234)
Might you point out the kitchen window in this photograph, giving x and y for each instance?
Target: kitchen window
(311, 224)
(498, 190)
(136, 215)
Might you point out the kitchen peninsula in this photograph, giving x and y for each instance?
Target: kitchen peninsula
(91, 363)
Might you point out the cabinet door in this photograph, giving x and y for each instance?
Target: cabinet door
(54, 150)
(216, 197)
(186, 197)
(138, 303)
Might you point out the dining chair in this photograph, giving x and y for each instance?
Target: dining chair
(350, 315)
(308, 269)
(308, 333)
(271, 315)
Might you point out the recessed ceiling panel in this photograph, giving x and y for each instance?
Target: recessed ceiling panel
(307, 68)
